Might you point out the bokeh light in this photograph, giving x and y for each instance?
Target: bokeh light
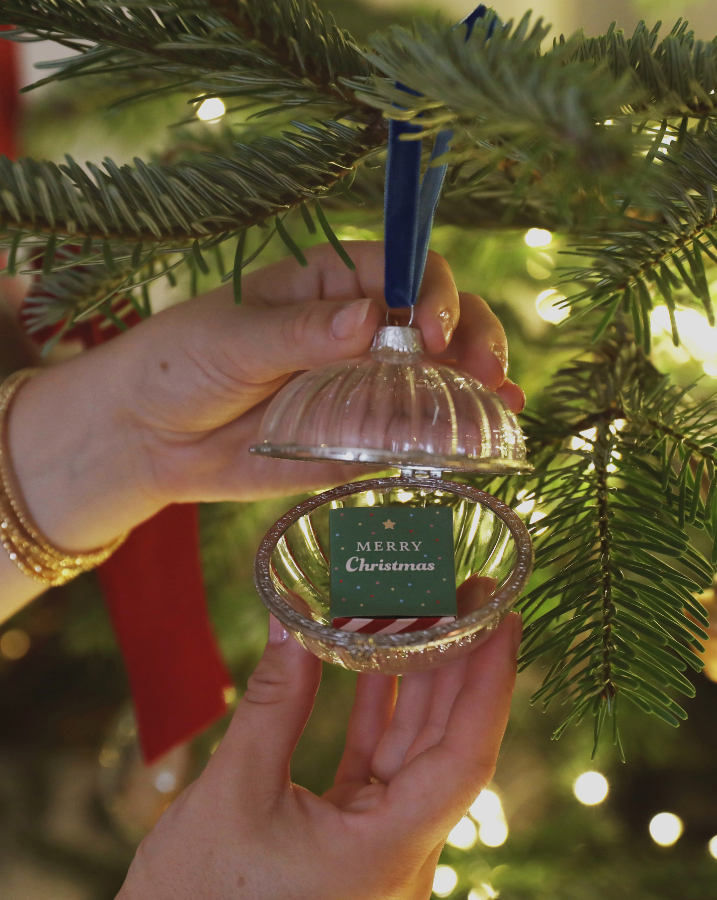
(494, 833)
(696, 335)
(712, 847)
(211, 108)
(14, 644)
(591, 788)
(483, 892)
(538, 237)
(486, 807)
(464, 835)
(545, 304)
(444, 881)
(666, 829)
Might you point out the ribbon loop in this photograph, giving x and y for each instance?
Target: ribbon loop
(410, 203)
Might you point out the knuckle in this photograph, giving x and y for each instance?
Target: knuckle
(265, 687)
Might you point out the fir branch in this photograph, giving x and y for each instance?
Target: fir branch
(617, 614)
(217, 195)
(677, 76)
(275, 49)
(665, 246)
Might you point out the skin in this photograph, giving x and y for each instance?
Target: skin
(413, 763)
(166, 412)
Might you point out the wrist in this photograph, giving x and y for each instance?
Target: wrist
(76, 461)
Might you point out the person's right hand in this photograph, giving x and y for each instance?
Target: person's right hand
(411, 768)
(167, 412)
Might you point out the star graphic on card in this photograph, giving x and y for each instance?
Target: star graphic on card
(388, 525)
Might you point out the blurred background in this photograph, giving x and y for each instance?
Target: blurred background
(555, 825)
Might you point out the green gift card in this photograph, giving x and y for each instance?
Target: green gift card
(392, 561)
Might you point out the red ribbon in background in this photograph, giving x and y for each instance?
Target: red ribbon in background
(9, 96)
(153, 584)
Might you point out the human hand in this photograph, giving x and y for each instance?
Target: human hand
(408, 773)
(166, 412)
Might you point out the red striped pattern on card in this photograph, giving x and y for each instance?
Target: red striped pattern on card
(383, 625)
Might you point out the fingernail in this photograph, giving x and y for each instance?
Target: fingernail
(277, 633)
(447, 325)
(500, 351)
(349, 319)
(517, 634)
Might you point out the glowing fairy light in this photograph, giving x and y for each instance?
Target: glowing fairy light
(710, 367)
(545, 305)
(487, 807)
(538, 237)
(591, 788)
(212, 108)
(483, 892)
(444, 881)
(488, 812)
(493, 834)
(712, 847)
(666, 829)
(464, 835)
(698, 338)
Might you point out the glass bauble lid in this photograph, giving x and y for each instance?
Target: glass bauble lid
(394, 407)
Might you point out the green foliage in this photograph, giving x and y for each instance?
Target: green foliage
(624, 475)
(609, 140)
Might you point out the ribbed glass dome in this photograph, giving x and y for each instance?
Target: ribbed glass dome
(394, 407)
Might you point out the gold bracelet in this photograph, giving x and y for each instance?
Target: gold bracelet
(25, 544)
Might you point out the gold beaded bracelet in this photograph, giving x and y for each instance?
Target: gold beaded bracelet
(25, 544)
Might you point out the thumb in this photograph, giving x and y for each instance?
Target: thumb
(257, 748)
(265, 343)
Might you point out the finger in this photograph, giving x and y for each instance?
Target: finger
(373, 706)
(410, 714)
(474, 593)
(327, 278)
(449, 680)
(438, 308)
(256, 751)
(258, 345)
(479, 344)
(438, 785)
(513, 395)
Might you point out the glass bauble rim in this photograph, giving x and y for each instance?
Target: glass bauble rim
(499, 605)
(429, 462)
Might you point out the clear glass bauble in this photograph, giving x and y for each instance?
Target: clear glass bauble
(394, 408)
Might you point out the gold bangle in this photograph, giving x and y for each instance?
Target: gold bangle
(25, 544)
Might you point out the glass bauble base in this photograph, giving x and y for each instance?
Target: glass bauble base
(491, 543)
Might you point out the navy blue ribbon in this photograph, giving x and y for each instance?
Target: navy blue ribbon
(410, 203)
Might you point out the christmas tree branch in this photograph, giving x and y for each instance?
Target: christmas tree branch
(617, 613)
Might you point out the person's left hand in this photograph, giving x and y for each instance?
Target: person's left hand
(411, 768)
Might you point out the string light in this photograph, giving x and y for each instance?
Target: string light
(483, 892)
(464, 835)
(212, 108)
(666, 829)
(488, 812)
(486, 807)
(444, 881)
(14, 644)
(545, 305)
(538, 237)
(493, 834)
(712, 847)
(165, 782)
(698, 338)
(591, 788)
